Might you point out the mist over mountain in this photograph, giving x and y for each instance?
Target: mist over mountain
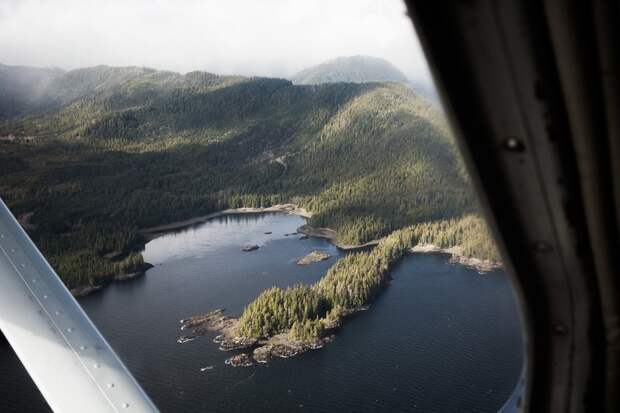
(362, 69)
(23, 88)
(29, 90)
(356, 69)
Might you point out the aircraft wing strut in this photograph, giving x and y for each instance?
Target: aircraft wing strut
(71, 363)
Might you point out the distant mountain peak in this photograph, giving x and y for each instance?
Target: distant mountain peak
(355, 69)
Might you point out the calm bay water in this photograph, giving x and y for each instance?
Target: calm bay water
(441, 338)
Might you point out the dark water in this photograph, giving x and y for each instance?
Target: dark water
(440, 338)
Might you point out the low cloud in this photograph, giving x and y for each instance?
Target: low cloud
(266, 38)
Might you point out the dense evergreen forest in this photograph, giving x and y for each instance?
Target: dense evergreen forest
(96, 154)
(353, 281)
(349, 284)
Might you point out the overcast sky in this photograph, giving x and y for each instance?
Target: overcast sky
(259, 37)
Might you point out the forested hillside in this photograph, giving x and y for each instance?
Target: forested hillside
(118, 149)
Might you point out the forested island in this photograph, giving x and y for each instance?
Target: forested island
(97, 154)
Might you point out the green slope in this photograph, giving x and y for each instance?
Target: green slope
(128, 148)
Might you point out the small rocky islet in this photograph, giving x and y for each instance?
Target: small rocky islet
(314, 257)
(256, 350)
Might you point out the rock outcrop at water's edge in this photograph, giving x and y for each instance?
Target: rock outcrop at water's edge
(240, 360)
(331, 235)
(254, 350)
(217, 321)
(457, 257)
(282, 346)
(83, 291)
(313, 257)
(136, 274)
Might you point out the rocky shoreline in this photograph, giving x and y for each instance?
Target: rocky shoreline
(89, 289)
(457, 257)
(456, 252)
(253, 350)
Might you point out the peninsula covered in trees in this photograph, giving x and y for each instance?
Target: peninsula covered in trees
(283, 322)
(94, 155)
